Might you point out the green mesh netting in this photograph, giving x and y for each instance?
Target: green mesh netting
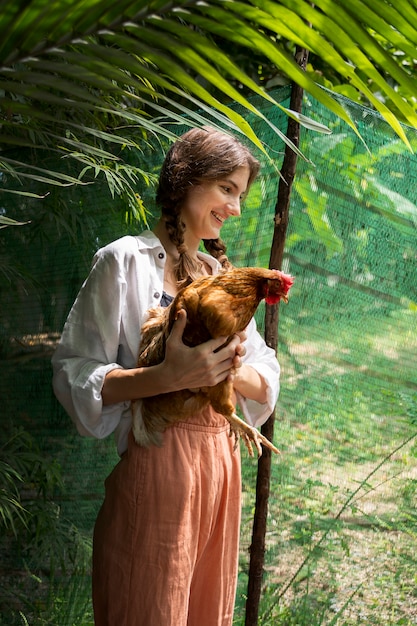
(347, 347)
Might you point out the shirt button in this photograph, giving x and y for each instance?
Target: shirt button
(161, 255)
(157, 295)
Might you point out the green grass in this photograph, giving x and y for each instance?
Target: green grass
(342, 521)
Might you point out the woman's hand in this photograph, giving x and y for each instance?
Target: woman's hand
(240, 352)
(187, 368)
(201, 366)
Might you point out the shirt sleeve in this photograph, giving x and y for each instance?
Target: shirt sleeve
(264, 361)
(88, 349)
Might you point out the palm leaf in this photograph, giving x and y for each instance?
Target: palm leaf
(117, 73)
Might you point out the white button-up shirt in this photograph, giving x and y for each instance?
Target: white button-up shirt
(102, 333)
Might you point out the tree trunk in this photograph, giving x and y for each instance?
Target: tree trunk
(257, 550)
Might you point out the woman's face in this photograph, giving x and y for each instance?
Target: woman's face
(209, 204)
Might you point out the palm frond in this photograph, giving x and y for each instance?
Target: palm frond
(79, 76)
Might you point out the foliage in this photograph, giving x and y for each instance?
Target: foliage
(50, 555)
(92, 81)
(338, 422)
(342, 522)
(361, 177)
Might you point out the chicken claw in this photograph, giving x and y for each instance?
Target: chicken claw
(250, 435)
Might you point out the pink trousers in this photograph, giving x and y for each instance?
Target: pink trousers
(166, 540)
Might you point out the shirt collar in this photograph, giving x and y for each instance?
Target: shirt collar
(147, 240)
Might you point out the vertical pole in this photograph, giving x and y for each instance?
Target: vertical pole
(257, 549)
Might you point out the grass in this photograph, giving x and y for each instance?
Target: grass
(342, 521)
(335, 556)
(342, 524)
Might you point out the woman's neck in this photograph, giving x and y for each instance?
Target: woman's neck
(170, 248)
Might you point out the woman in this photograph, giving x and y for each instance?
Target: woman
(166, 538)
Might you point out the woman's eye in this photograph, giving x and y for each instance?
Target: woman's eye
(227, 189)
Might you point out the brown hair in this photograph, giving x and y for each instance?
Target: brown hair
(200, 154)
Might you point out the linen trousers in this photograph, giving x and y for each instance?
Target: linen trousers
(166, 539)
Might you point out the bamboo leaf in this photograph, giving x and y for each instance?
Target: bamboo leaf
(5, 163)
(45, 179)
(27, 194)
(7, 221)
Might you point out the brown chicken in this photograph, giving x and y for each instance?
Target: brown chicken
(216, 306)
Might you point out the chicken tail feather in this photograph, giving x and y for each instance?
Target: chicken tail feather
(142, 435)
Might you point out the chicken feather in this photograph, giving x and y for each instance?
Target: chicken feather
(216, 306)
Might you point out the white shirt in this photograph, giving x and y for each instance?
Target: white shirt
(102, 333)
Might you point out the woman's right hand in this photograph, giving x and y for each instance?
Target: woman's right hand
(182, 368)
(200, 366)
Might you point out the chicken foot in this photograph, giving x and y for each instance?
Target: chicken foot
(250, 435)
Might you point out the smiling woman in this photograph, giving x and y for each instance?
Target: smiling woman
(166, 538)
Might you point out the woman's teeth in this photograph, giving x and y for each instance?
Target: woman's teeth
(218, 217)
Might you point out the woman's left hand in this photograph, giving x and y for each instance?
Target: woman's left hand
(244, 378)
(240, 352)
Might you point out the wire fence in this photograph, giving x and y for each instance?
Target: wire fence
(347, 348)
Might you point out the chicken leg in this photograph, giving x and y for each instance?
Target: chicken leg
(250, 435)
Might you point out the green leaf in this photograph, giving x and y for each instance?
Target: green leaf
(399, 203)
(27, 194)
(99, 66)
(316, 205)
(245, 36)
(7, 221)
(5, 164)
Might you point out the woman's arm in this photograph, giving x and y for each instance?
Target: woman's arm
(182, 368)
(99, 337)
(256, 382)
(250, 384)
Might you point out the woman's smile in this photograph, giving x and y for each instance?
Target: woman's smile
(219, 218)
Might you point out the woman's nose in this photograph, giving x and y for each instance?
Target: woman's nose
(233, 207)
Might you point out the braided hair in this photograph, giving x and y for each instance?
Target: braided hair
(200, 154)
